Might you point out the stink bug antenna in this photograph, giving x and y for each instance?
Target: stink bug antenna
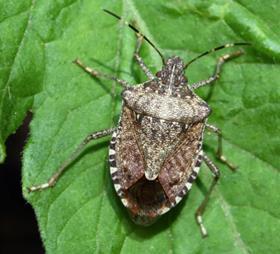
(137, 32)
(215, 49)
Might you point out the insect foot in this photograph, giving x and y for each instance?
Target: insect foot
(156, 151)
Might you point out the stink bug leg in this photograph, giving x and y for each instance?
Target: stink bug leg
(218, 69)
(97, 74)
(54, 178)
(200, 210)
(219, 152)
(140, 61)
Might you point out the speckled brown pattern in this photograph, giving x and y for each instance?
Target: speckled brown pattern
(156, 147)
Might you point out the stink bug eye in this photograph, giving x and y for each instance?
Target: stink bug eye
(156, 150)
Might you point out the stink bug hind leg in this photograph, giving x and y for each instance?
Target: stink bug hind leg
(201, 209)
(54, 178)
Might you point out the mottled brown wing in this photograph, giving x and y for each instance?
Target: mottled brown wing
(129, 159)
(179, 164)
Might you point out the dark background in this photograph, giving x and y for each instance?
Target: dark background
(18, 227)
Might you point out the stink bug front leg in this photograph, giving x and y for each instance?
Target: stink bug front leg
(218, 69)
(140, 61)
(98, 74)
(52, 181)
(219, 152)
(200, 210)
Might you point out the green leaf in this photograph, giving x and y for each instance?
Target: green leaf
(22, 66)
(82, 213)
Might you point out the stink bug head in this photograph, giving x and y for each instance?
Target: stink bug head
(172, 73)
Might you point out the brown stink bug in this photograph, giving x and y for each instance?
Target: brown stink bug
(156, 151)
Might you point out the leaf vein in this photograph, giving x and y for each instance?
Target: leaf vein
(77, 210)
(252, 153)
(228, 215)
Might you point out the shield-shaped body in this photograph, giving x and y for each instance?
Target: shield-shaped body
(155, 153)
